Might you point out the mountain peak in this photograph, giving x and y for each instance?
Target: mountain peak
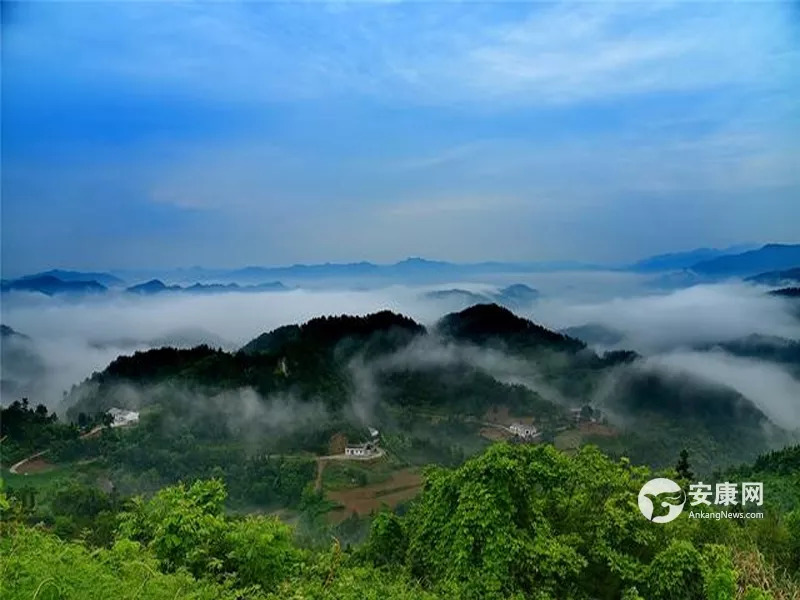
(488, 322)
(153, 286)
(51, 285)
(327, 330)
(770, 257)
(421, 262)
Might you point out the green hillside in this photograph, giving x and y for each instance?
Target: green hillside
(517, 521)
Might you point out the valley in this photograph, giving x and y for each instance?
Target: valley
(366, 428)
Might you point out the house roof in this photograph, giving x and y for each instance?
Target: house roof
(121, 412)
(364, 446)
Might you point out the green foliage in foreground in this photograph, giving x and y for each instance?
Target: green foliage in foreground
(185, 528)
(531, 522)
(39, 565)
(517, 522)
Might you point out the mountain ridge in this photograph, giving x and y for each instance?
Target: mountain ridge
(684, 259)
(770, 257)
(51, 286)
(787, 277)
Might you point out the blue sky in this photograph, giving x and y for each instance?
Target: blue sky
(154, 134)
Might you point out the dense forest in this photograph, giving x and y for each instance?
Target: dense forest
(517, 521)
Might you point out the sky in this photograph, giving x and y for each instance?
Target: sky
(156, 134)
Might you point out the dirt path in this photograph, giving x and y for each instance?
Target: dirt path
(15, 467)
(93, 432)
(30, 459)
(321, 460)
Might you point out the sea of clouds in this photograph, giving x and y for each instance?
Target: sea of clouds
(73, 337)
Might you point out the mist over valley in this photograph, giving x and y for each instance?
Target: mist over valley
(702, 353)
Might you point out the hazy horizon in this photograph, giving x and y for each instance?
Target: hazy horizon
(554, 265)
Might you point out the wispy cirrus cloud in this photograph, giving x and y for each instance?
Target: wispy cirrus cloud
(534, 53)
(313, 131)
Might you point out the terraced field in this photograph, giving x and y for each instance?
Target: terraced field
(403, 485)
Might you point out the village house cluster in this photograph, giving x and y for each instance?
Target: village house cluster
(526, 432)
(365, 449)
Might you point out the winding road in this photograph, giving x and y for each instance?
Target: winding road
(14, 469)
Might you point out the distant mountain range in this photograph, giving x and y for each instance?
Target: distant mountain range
(516, 296)
(772, 264)
(156, 286)
(739, 260)
(677, 270)
(788, 277)
(417, 270)
(106, 279)
(51, 286)
(685, 260)
(772, 257)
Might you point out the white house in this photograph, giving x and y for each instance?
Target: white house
(367, 449)
(586, 414)
(524, 431)
(123, 417)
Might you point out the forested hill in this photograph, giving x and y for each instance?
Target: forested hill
(329, 331)
(156, 364)
(493, 324)
(790, 292)
(306, 355)
(359, 371)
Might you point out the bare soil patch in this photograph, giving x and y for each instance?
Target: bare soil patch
(598, 429)
(402, 486)
(495, 434)
(35, 465)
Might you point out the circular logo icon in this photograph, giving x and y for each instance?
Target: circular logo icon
(661, 500)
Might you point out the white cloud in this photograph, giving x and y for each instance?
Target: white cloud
(703, 314)
(76, 338)
(423, 53)
(766, 385)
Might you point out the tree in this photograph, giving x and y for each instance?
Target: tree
(184, 527)
(683, 467)
(38, 565)
(523, 520)
(387, 540)
(261, 552)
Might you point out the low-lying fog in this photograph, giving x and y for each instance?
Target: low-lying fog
(70, 338)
